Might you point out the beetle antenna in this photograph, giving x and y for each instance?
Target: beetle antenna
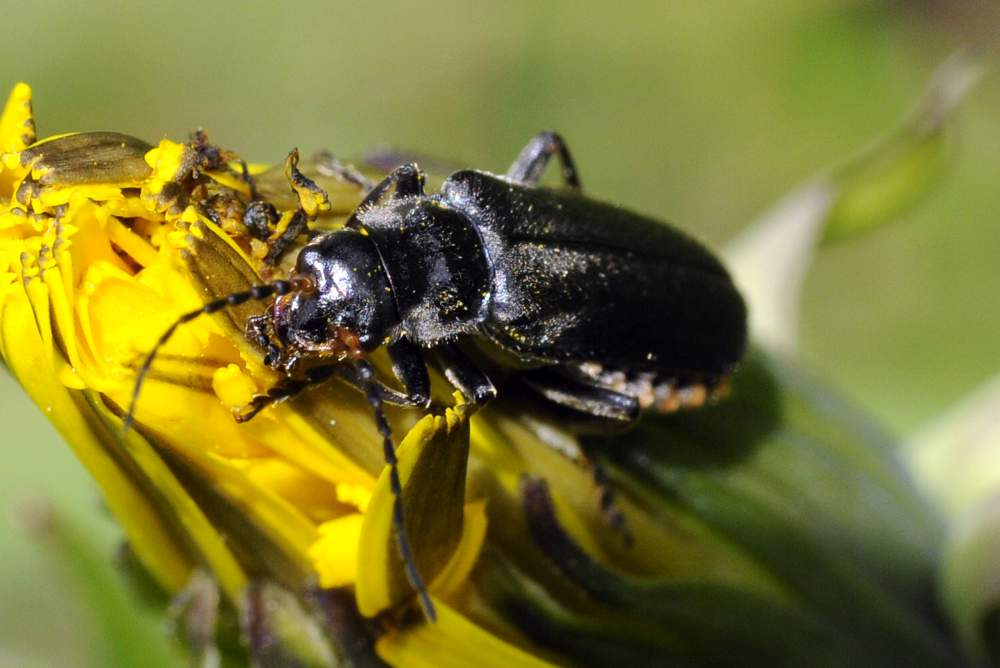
(389, 452)
(256, 293)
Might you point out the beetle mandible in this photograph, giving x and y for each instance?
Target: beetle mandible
(602, 311)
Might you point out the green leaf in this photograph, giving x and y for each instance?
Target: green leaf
(770, 259)
(889, 178)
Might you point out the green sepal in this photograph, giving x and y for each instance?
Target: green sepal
(782, 475)
(802, 484)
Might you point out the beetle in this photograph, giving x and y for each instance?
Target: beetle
(600, 310)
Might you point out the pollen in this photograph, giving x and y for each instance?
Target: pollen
(233, 387)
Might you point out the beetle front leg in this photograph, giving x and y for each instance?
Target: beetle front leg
(465, 375)
(531, 163)
(410, 369)
(285, 389)
(292, 386)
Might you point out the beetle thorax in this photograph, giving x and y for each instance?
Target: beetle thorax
(437, 269)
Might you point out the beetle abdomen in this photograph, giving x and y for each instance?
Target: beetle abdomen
(655, 390)
(623, 309)
(575, 280)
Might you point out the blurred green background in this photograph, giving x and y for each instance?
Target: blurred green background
(704, 114)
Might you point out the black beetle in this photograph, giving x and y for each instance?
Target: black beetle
(602, 311)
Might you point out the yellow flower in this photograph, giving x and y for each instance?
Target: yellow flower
(105, 241)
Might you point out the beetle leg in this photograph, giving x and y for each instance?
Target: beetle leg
(292, 386)
(582, 396)
(465, 375)
(410, 369)
(328, 165)
(408, 180)
(415, 398)
(531, 163)
(287, 388)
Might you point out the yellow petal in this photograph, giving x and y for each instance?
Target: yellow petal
(17, 127)
(298, 430)
(312, 198)
(315, 497)
(455, 574)
(27, 350)
(186, 516)
(452, 642)
(233, 387)
(358, 496)
(335, 554)
(166, 161)
(432, 466)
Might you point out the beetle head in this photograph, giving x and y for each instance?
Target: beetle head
(343, 304)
